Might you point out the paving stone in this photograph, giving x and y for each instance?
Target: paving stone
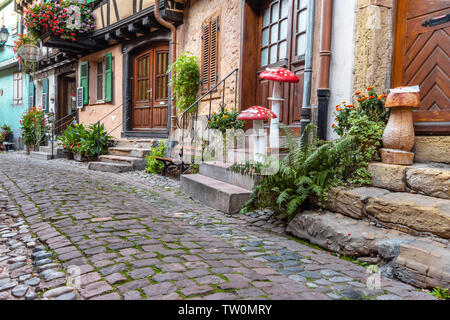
(161, 277)
(53, 293)
(388, 297)
(115, 278)
(310, 275)
(141, 273)
(163, 288)
(196, 290)
(113, 269)
(67, 296)
(20, 290)
(33, 281)
(95, 289)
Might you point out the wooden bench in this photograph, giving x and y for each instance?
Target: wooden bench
(169, 162)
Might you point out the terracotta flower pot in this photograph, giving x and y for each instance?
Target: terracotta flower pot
(68, 154)
(79, 157)
(29, 148)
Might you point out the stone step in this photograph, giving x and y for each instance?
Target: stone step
(412, 213)
(137, 163)
(56, 150)
(432, 179)
(40, 155)
(110, 167)
(130, 152)
(219, 171)
(419, 261)
(214, 193)
(137, 143)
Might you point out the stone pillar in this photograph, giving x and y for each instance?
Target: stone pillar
(373, 44)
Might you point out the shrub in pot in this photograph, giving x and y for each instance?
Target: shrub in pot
(34, 127)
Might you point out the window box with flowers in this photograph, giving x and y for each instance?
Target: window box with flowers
(63, 19)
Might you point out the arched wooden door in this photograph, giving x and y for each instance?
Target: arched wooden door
(150, 90)
(421, 57)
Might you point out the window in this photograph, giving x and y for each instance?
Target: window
(100, 81)
(274, 32)
(210, 45)
(162, 77)
(302, 22)
(17, 88)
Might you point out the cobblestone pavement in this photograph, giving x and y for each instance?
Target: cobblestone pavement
(130, 236)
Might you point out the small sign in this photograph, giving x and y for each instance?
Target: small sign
(80, 98)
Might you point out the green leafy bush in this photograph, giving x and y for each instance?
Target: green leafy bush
(440, 293)
(312, 167)
(34, 126)
(86, 141)
(185, 80)
(5, 133)
(225, 120)
(155, 166)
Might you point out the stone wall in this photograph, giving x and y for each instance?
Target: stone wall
(189, 39)
(373, 43)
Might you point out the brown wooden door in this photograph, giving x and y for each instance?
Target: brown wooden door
(421, 57)
(150, 89)
(282, 43)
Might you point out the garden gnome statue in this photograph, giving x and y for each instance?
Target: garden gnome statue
(398, 137)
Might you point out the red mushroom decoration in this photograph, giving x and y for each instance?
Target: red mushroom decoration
(258, 115)
(279, 76)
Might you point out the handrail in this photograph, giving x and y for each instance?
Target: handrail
(104, 117)
(204, 95)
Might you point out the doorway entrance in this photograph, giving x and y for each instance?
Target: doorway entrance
(67, 100)
(150, 90)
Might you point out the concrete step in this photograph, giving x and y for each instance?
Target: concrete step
(413, 213)
(110, 167)
(129, 152)
(422, 262)
(40, 155)
(214, 193)
(56, 150)
(137, 143)
(432, 179)
(219, 171)
(137, 163)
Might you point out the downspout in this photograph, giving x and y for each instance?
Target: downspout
(173, 49)
(323, 92)
(306, 105)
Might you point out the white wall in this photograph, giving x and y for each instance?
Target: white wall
(342, 49)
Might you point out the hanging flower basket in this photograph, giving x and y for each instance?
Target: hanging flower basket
(64, 19)
(28, 52)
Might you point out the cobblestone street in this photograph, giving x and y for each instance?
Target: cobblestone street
(124, 236)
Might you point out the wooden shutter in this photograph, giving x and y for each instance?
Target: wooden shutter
(84, 81)
(210, 45)
(31, 95)
(108, 77)
(45, 94)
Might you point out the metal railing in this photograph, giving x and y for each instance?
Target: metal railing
(98, 128)
(192, 110)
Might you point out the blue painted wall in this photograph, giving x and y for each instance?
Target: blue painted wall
(9, 113)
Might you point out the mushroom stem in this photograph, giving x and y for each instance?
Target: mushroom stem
(259, 148)
(277, 100)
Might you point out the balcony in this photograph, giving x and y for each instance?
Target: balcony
(115, 21)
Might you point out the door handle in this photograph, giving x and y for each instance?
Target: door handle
(437, 21)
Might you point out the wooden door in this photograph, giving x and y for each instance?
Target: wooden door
(150, 90)
(282, 43)
(421, 57)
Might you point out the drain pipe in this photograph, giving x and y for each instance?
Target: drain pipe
(173, 49)
(306, 105)
(323, 92)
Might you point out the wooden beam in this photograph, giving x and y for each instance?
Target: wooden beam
(137, 28)
(124, 34)
(149, 22)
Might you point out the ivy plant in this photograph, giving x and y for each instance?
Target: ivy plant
(185, 80)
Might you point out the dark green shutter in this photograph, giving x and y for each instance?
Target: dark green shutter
(108, 77)
(45, 94)
(90, 1)
(31, 99)
(84, 81)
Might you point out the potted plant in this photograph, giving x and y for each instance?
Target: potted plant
(68, 139)
(34, 127)
(88, 143)
(223, 121)
(6, 131)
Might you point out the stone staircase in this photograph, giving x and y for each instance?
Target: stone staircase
(401, 222)
(218, 187)
(126, 155)
(45, 152)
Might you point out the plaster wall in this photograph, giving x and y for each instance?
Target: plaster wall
(342, 48)
(97, 110)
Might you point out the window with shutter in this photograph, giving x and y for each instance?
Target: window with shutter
(84, 81)
(17, 88)
(45, 94)
(108, 77)
(210, 51)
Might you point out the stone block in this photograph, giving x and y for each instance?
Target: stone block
(434, 182)
(350, 202)
(388, 176)
(432, 149)
(418, 212)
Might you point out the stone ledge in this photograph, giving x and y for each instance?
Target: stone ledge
(432, 148)
(419, 261)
